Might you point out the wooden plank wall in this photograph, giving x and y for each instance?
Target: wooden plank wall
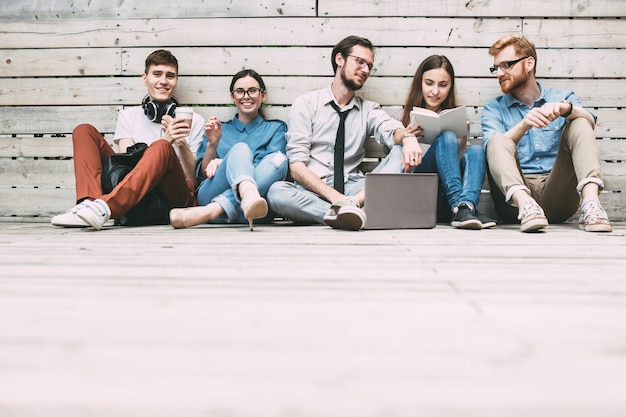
(63, 64)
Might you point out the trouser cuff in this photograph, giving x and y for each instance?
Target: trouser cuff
(512, 190)
(587, 180)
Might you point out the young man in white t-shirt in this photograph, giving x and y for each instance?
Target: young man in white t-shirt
(168, 163)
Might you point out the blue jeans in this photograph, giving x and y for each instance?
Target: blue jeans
(293, 201)
(458, 182)
(236, 167)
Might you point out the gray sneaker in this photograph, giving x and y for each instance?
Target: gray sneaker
(531, 216)
(464, 218)
(593, 218)
(487, 222)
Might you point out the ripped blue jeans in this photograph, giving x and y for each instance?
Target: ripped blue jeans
(236, 167)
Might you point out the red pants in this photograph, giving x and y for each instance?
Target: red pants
(159, 167)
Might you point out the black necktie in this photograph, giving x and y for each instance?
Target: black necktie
(339, 146)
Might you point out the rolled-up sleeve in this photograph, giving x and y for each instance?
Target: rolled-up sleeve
(382, 125)
(299, 132)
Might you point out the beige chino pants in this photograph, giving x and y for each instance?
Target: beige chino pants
(577, 163)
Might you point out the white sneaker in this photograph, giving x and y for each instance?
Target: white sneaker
(346, 214)
(95, 213)
(531, 216)
(69, 218)
(593, 218)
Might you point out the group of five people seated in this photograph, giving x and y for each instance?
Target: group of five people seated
(539, 150)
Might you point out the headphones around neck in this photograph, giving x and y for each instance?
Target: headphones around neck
(155, 111)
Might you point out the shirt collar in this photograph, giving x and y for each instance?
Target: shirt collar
(328, 96)
(511, 100)
(237, 124)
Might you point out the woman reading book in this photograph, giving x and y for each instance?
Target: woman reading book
(461, 168)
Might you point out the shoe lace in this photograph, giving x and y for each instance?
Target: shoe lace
(594, 212)
(530, 209)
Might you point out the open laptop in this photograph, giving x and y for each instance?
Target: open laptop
(401, 201)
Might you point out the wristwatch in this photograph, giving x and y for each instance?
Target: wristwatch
(571, 107)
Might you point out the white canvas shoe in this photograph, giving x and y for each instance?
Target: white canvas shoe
(95, 213)
(593, 218)
(69, 218)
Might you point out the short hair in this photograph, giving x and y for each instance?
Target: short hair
(344, 47)
(161, 57)
(522, 46)
(415, 98)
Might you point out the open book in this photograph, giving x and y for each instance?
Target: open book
(434, 123)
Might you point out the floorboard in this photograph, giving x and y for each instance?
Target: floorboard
(308, 321)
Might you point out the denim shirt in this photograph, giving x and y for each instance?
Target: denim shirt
(262, 136)
(538, 147)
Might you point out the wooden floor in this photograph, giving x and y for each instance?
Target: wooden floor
(311, 322)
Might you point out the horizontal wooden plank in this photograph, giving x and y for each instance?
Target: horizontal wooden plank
(137, 9)
(83, 9)
(35, 201)
(61, 62)
(565, 8)
(50, 120)
(59, 171)
(39, 147)
(599, 33)
(390, 61)
(37, 173)
(392, 31)
(475, 62)
(241, 31)
(613, 150)
(281, 90)
(56, 119)
(301, 61)
(32, 147)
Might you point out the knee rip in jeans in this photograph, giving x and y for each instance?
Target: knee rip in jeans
(277, 159)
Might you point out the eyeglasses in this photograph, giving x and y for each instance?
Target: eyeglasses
(505, 65)
(240, 93)
(363, 63)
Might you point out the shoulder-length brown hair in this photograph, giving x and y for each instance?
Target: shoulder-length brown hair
(415, 97)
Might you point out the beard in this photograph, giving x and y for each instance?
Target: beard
(351, 84)
(515, 82)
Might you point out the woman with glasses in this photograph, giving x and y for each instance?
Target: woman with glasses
(461, 169)
(237, 160)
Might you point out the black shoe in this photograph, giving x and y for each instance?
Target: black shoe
(486, 221)
(464, 218)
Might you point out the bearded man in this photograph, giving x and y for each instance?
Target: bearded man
(328, 186)
(543, 160)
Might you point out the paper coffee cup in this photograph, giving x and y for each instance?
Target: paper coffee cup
(186, 113)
